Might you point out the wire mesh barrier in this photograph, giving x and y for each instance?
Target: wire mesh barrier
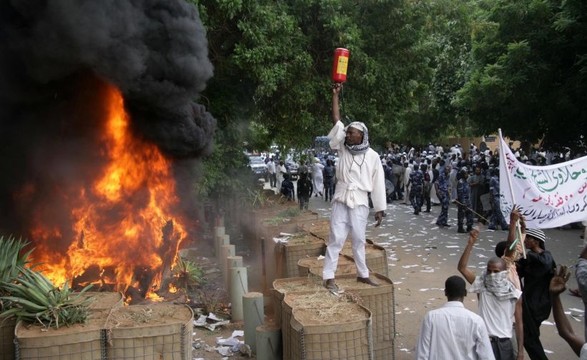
(303, 292)
(146, 332)
(346, 265)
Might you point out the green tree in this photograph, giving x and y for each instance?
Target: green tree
(528, 70)
(444, 44)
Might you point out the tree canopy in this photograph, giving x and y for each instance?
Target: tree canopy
(419, 70)
(528, 70)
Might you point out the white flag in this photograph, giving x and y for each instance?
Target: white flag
(547, 196)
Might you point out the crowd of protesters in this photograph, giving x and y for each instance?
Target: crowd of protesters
(513, 291)
(422, 177)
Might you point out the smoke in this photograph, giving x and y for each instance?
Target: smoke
(56, 59)
(154, 51)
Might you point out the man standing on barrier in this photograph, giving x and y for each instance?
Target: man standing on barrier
(359, 172)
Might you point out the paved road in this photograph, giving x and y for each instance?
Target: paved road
(421, 256)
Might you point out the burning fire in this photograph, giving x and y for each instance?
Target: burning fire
(123, 225)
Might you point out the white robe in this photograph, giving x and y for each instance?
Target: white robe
(357, 176)
(318, 178)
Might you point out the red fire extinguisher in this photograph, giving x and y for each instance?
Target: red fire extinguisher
(340, 65)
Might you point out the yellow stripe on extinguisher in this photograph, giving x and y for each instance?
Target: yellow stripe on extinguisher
(342, 65)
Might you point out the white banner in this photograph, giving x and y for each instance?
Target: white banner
(548, 196)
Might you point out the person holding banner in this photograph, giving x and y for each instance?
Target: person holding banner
(511, 250)
(536, 270)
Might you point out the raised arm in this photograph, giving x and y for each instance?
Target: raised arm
(336, 89)
(514, 217)
(563, 326)
(464, 260)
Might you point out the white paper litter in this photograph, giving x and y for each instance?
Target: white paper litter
(233, 345)
(210, 322)
(279, 240)
(213, 316)
(231, 341)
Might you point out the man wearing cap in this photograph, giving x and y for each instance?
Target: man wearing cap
(358, 173)
(535, 270)
(452, 331)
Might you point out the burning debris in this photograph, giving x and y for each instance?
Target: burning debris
(100, 131)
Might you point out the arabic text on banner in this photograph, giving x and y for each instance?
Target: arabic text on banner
(548, 196)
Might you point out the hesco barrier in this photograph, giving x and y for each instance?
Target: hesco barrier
(375, 256)
(320, 325)
(318, 228)
(7, 338)
(79, 341)
(297, 247)
(146, 332)
(379, 300)
(346, 265)
(283, 286)
(150, 332)
(347, 336)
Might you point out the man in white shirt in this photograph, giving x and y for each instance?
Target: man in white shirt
(406, 181)
(280, 171)
(452, 331)
(271, 172)
(499, 302)
(358, 173)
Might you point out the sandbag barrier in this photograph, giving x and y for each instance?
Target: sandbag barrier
(378, 300)
(123, 333)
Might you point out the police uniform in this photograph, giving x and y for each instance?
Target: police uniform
(464, 205)
(443, 193)
(416, 189)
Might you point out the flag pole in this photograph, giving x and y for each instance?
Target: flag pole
(502, 158)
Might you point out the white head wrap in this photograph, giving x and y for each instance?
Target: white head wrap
(362, 147)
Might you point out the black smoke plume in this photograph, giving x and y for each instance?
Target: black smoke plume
(56, 59)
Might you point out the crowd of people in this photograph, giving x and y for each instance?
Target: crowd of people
(516, 293)
(421, 178)
(518, 288)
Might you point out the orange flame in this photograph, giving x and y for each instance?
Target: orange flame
(123, 223)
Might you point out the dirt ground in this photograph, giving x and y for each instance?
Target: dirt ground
(214, 293)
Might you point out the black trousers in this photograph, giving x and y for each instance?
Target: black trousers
(502, 348)
(532, 342)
